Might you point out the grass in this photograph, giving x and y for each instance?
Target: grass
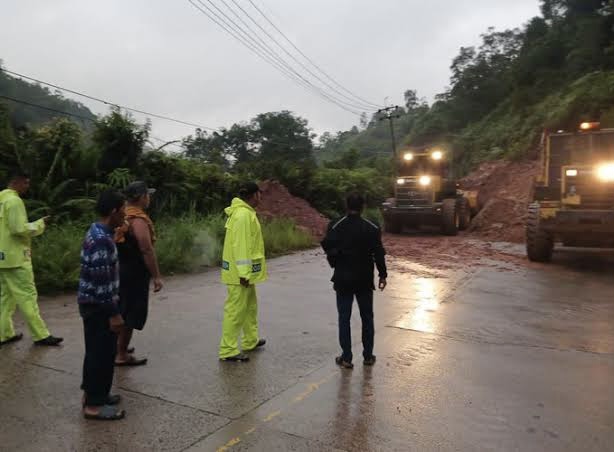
(185, 245)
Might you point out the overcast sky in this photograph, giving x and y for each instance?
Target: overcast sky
(168, 58)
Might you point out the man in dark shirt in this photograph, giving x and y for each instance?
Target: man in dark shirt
(98, 298)
(352, 245)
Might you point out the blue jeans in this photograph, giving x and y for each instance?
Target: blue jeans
(344, 309)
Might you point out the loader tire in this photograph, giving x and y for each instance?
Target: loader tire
(540, 243)
(464, 214)
(450, 217)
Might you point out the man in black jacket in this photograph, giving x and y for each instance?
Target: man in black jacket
(352, 245)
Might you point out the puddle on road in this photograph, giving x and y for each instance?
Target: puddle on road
(427, 294)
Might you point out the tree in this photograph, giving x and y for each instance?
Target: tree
(285, 149)
(8, 142)
(120, 141)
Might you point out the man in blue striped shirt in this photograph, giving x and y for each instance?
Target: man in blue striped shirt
(98, 297)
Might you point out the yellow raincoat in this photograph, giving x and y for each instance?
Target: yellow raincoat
(243, 257)
(17, 288)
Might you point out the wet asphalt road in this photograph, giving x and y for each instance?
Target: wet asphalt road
(473, 360)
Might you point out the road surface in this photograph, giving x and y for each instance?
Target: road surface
(500, 357)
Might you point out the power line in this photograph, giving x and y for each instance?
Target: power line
(244, 38)
(66, 113)
(356, 104)
(264, 52)
(106, 102)
(42, 107)
(349, 102)
(93, 120)
(309, 59)
(255, 37)
(261, 49)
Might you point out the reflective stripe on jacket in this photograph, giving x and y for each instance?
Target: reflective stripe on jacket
(15, 231)
(244, 255)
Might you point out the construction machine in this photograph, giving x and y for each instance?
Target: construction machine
(573, 202)
(427, 194)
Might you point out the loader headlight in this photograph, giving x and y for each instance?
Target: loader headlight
(586, 126)
(571, 172)
(408, 156)
(605, 172)
(425, 180)
(400, 181)
(437, 155)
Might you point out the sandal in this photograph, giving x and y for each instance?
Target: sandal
(106, 413)
(15, 338)
(131, 362)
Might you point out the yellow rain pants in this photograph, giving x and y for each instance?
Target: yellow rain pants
(17, 289)
(240, 316)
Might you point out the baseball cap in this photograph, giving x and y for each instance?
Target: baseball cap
(138, 188)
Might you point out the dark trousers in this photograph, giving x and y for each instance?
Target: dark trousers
(344, 308)
(99, 362)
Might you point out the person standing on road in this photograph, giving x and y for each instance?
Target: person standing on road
(243, 266)
(17, 287)
(98, 299)
(352, 244)
(138, 264)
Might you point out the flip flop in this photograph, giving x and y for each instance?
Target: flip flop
(15, 338)
(132, 362)
(106, 413)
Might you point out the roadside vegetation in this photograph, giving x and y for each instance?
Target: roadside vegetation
(187, 244)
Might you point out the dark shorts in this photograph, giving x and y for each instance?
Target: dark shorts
(134, 300)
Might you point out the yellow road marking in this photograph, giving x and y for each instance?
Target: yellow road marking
(229, 444)
(311, 388)
(271, 416)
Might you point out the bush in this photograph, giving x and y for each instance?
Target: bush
(330, 187)
(282, 235)
(55, 257)
(187, 244)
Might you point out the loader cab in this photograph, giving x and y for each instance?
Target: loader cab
(423, 177)
(425, 193)
(574, 196)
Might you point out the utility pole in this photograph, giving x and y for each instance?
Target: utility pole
(390, 113)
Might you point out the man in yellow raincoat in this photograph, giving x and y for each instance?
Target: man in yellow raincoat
(243, 267)
(17, 288)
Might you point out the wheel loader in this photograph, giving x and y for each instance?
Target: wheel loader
(573, 202)
(426, 194)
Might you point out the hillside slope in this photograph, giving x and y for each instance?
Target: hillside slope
(34, 105)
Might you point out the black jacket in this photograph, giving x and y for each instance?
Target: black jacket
(352, 245)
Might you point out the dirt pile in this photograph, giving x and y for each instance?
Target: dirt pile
(428, 255)
(504, 192)
(277, 202)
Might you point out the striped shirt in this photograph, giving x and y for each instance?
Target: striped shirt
(99, 279)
